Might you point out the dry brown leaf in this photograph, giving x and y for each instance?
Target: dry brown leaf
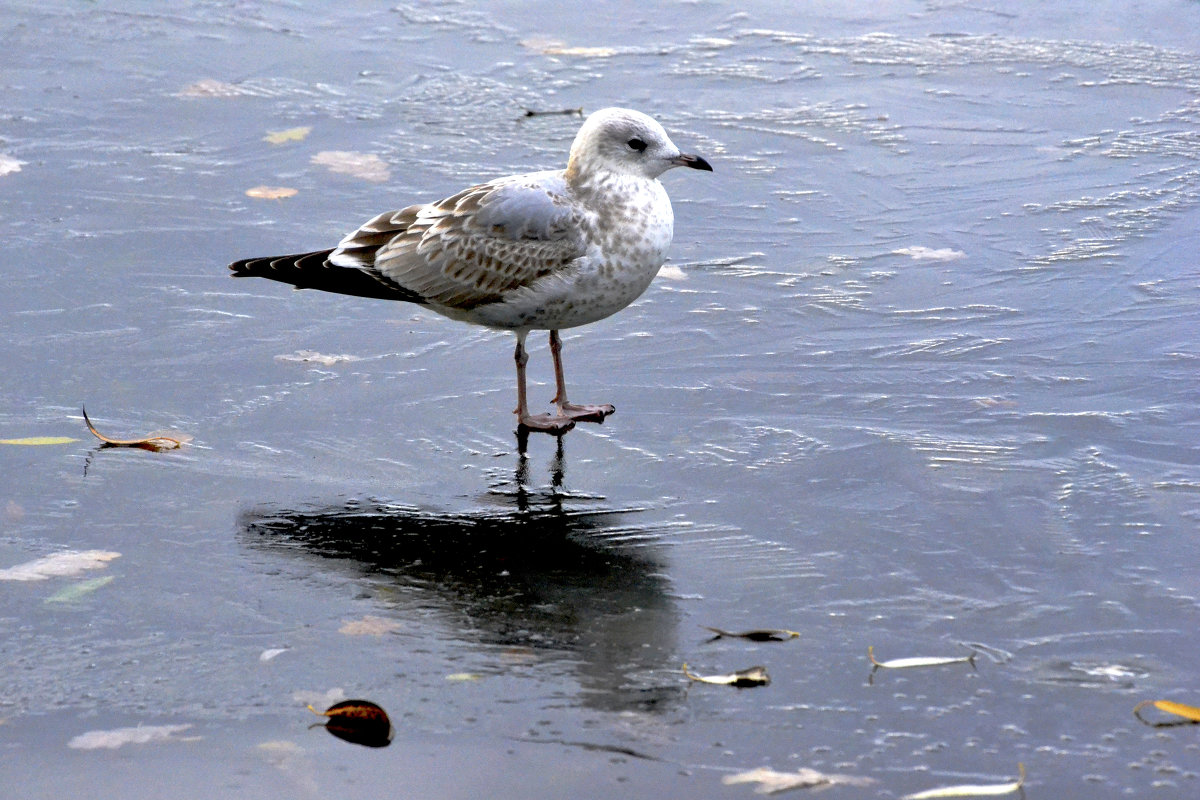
(66, 563)
(358, 721)
(156, 442)
(366, 166)
(771, 782)
(757, 635)
(208, 87)
(370, 626)
(289, 135)
(271, 192)
(555, 47)
(743, 678)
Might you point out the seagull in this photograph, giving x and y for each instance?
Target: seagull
(540, 251)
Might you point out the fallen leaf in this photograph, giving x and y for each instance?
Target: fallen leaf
(118, 737)
(908, 663)
(209, 87)
(929, 254)
(367, 166)
(1190, 714)
(571, 112)
(156, 442)
(313, 357)
(8, 165)
(752, 676)
(772, 782)
(77, 591)
(290, 135)
(40, 440)
(370, 626)
(271, 192)
(758, 635)
(555, 47)
(972, 790)
(358, 721)
(67, 563)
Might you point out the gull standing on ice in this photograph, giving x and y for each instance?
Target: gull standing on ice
(545, 250)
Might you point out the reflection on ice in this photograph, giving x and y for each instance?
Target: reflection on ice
(584, 586)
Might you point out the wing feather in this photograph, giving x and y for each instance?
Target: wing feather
(476, 246)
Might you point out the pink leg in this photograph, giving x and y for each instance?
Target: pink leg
(534, 422)
(582, 413)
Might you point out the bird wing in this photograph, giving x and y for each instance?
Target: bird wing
(476, 246)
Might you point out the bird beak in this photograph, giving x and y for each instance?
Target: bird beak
(695, 162)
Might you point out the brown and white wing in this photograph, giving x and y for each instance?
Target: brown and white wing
(475, 247)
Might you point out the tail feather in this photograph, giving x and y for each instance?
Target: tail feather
(314, 271)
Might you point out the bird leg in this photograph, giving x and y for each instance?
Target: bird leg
(581, 413)
(535, 422)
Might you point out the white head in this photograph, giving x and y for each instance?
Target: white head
(628, 142)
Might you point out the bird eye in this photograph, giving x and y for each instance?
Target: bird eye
(636, 144)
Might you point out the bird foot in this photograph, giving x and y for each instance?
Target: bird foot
(545, 423)
(586, 413)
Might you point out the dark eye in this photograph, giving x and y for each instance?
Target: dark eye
(636, 144)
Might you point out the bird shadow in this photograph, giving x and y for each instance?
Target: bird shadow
(562, 574)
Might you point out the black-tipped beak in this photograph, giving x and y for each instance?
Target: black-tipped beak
(695, 162)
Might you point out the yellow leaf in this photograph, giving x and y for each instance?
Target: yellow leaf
(40, 440)
(290, 135)
(1190, 713)
(1178, 709)
(271, 192)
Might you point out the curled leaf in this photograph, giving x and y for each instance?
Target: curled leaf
(271, 192)
(290, 135)
(359, 722)
(908, 663)
(1190, 714)
(972, 790)
(772, 782)
(757, 635)
(154, 442)
(744, 678)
